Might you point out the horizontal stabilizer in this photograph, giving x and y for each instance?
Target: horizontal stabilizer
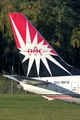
(48, 98)
(27, 80)
(33, 81)
(11, 77)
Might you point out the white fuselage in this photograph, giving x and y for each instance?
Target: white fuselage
(64, 84)
(66, 88)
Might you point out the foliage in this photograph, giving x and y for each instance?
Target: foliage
(57, 20)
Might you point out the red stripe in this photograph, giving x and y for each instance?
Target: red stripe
(63, 96)
(20, 22)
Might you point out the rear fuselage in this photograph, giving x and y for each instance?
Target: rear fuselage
(66, 88)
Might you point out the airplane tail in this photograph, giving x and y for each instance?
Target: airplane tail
(37, 56)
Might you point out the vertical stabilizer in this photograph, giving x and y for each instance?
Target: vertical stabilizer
(37, 56)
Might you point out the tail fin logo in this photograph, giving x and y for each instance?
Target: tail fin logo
(36, 51)
(35, 48)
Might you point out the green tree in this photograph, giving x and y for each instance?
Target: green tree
(6, 35)
(57, 20)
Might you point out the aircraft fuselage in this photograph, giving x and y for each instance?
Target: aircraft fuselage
(66, 88)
